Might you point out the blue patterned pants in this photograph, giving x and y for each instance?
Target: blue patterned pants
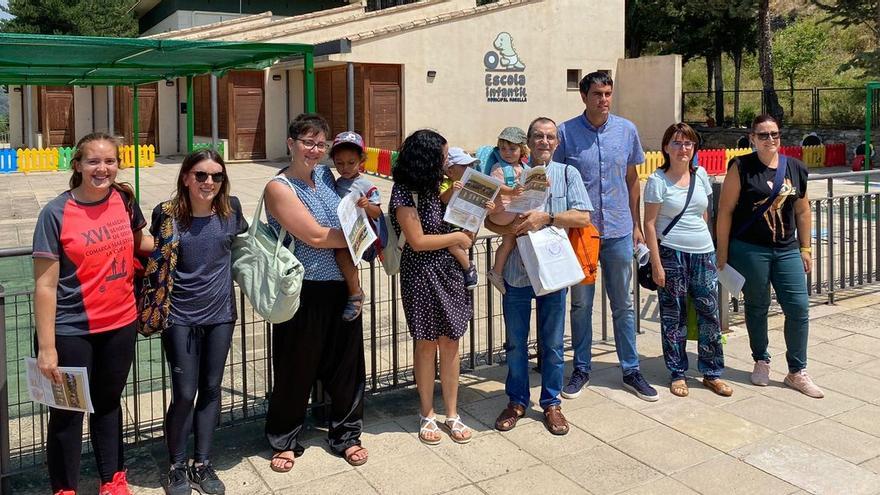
(691, 275)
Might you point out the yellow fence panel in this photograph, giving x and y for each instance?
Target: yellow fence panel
(37, 160)
(653, 160)
(814, 156)
(372, 164)
(735, 152)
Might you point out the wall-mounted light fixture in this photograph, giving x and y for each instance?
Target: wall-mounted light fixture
(169, 83)
(276, 77)
(432, 74)
(16, 89)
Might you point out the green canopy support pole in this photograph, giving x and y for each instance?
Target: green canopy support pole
(869, 117)
(136, 138)
(190, 123)
(309, 82)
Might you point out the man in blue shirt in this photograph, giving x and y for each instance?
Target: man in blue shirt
(605, 149)
(568, 206)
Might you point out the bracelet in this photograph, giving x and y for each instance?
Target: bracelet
(807, 250)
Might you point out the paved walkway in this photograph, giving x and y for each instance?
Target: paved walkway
(761, 440)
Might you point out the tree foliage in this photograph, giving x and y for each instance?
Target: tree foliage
(76, 17)
(795, 50)
(857, 12)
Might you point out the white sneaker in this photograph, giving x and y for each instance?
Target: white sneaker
(761, 373)
(802, 382)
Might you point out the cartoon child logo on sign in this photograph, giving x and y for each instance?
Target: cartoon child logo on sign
(505, 81)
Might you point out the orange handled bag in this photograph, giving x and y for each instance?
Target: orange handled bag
(585, 241)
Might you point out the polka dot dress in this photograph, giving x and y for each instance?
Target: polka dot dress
(435, 299)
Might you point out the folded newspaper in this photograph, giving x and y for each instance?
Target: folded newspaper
(355, 225)
(467, 207)
(71, 394)
(536, 190)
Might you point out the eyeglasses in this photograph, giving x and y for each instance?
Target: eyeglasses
(203, 176)
(311, 144)
(767, 136)
(688, 145)
(544, 137)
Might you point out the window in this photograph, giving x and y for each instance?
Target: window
(573, 78)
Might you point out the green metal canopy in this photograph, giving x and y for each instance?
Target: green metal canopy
(83, 60)
(56, 60)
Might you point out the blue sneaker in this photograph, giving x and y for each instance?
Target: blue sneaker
(579, 379)
(636, 383)
(470, 277)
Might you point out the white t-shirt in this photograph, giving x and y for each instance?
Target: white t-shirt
(690, 234)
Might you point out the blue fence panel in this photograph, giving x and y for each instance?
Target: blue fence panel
(8, 161)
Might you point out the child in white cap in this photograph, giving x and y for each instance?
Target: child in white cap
(348, 156)
(456, 163)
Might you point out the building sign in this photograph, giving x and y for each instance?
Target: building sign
(505, 78)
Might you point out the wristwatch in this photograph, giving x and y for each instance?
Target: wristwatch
(552, 218)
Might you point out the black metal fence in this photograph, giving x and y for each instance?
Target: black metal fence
(842, 108)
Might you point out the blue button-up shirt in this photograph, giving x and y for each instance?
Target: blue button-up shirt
(603, 155)
(566, 193)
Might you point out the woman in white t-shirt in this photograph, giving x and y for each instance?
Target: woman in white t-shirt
(683, 261)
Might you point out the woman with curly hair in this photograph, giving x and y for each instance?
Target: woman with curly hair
(436, 302)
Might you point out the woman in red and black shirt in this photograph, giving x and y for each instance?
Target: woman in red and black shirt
(84, 246)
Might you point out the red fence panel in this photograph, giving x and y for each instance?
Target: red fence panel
(835, 155)
(384, 163)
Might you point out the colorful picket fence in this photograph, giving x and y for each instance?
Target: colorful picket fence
(653, 160)
(380, 161)
(29, 160)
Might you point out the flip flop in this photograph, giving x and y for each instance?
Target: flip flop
(288, 462)
(349, 458)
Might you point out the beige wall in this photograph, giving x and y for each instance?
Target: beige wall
(16, 139)
(82, 108)
(101, 109)
(167, 118)
(276, 113)
(647, 91)
(454, 102)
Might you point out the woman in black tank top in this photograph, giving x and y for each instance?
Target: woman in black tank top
(763, 232)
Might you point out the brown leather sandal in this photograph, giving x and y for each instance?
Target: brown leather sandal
(679, 388)
(555, 421)
(509, 416)
(718, 386)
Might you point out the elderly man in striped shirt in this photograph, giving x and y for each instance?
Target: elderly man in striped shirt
(568, 207)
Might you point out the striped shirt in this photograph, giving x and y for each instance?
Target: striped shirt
(567, 192)
(603, 156)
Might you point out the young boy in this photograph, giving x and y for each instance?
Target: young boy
(348, 156)
(457, 161)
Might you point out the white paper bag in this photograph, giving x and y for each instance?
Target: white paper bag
(549, 260)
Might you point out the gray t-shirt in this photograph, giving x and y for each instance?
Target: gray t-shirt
(360, 184)
(202, 293)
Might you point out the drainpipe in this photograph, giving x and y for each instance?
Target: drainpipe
(215, 133)
(28, 117)
(350, 73)
(110, 110)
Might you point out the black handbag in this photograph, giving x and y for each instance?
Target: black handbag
(645, 275)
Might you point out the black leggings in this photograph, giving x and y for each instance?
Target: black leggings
(196, 356)
(107, 356)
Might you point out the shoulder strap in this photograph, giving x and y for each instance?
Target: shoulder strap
(687, 203)
(778, 180)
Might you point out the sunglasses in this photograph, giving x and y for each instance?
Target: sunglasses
(203, 176)
(766, 136)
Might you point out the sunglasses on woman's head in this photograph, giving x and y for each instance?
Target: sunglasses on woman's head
(203, 176)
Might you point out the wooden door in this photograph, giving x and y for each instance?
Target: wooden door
(148, 121)
(247, 119)
(384, 125)
(56, 113)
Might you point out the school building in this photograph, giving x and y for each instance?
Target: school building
(464, 69)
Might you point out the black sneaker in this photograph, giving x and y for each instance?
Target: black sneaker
(470, 277)
(205, 480)
(579, 379)
(637, 384)
(177, 482)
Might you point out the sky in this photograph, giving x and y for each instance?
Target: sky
(3, 15)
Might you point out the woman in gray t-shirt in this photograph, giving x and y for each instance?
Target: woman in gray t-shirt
(202, 314)
(683, 260)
